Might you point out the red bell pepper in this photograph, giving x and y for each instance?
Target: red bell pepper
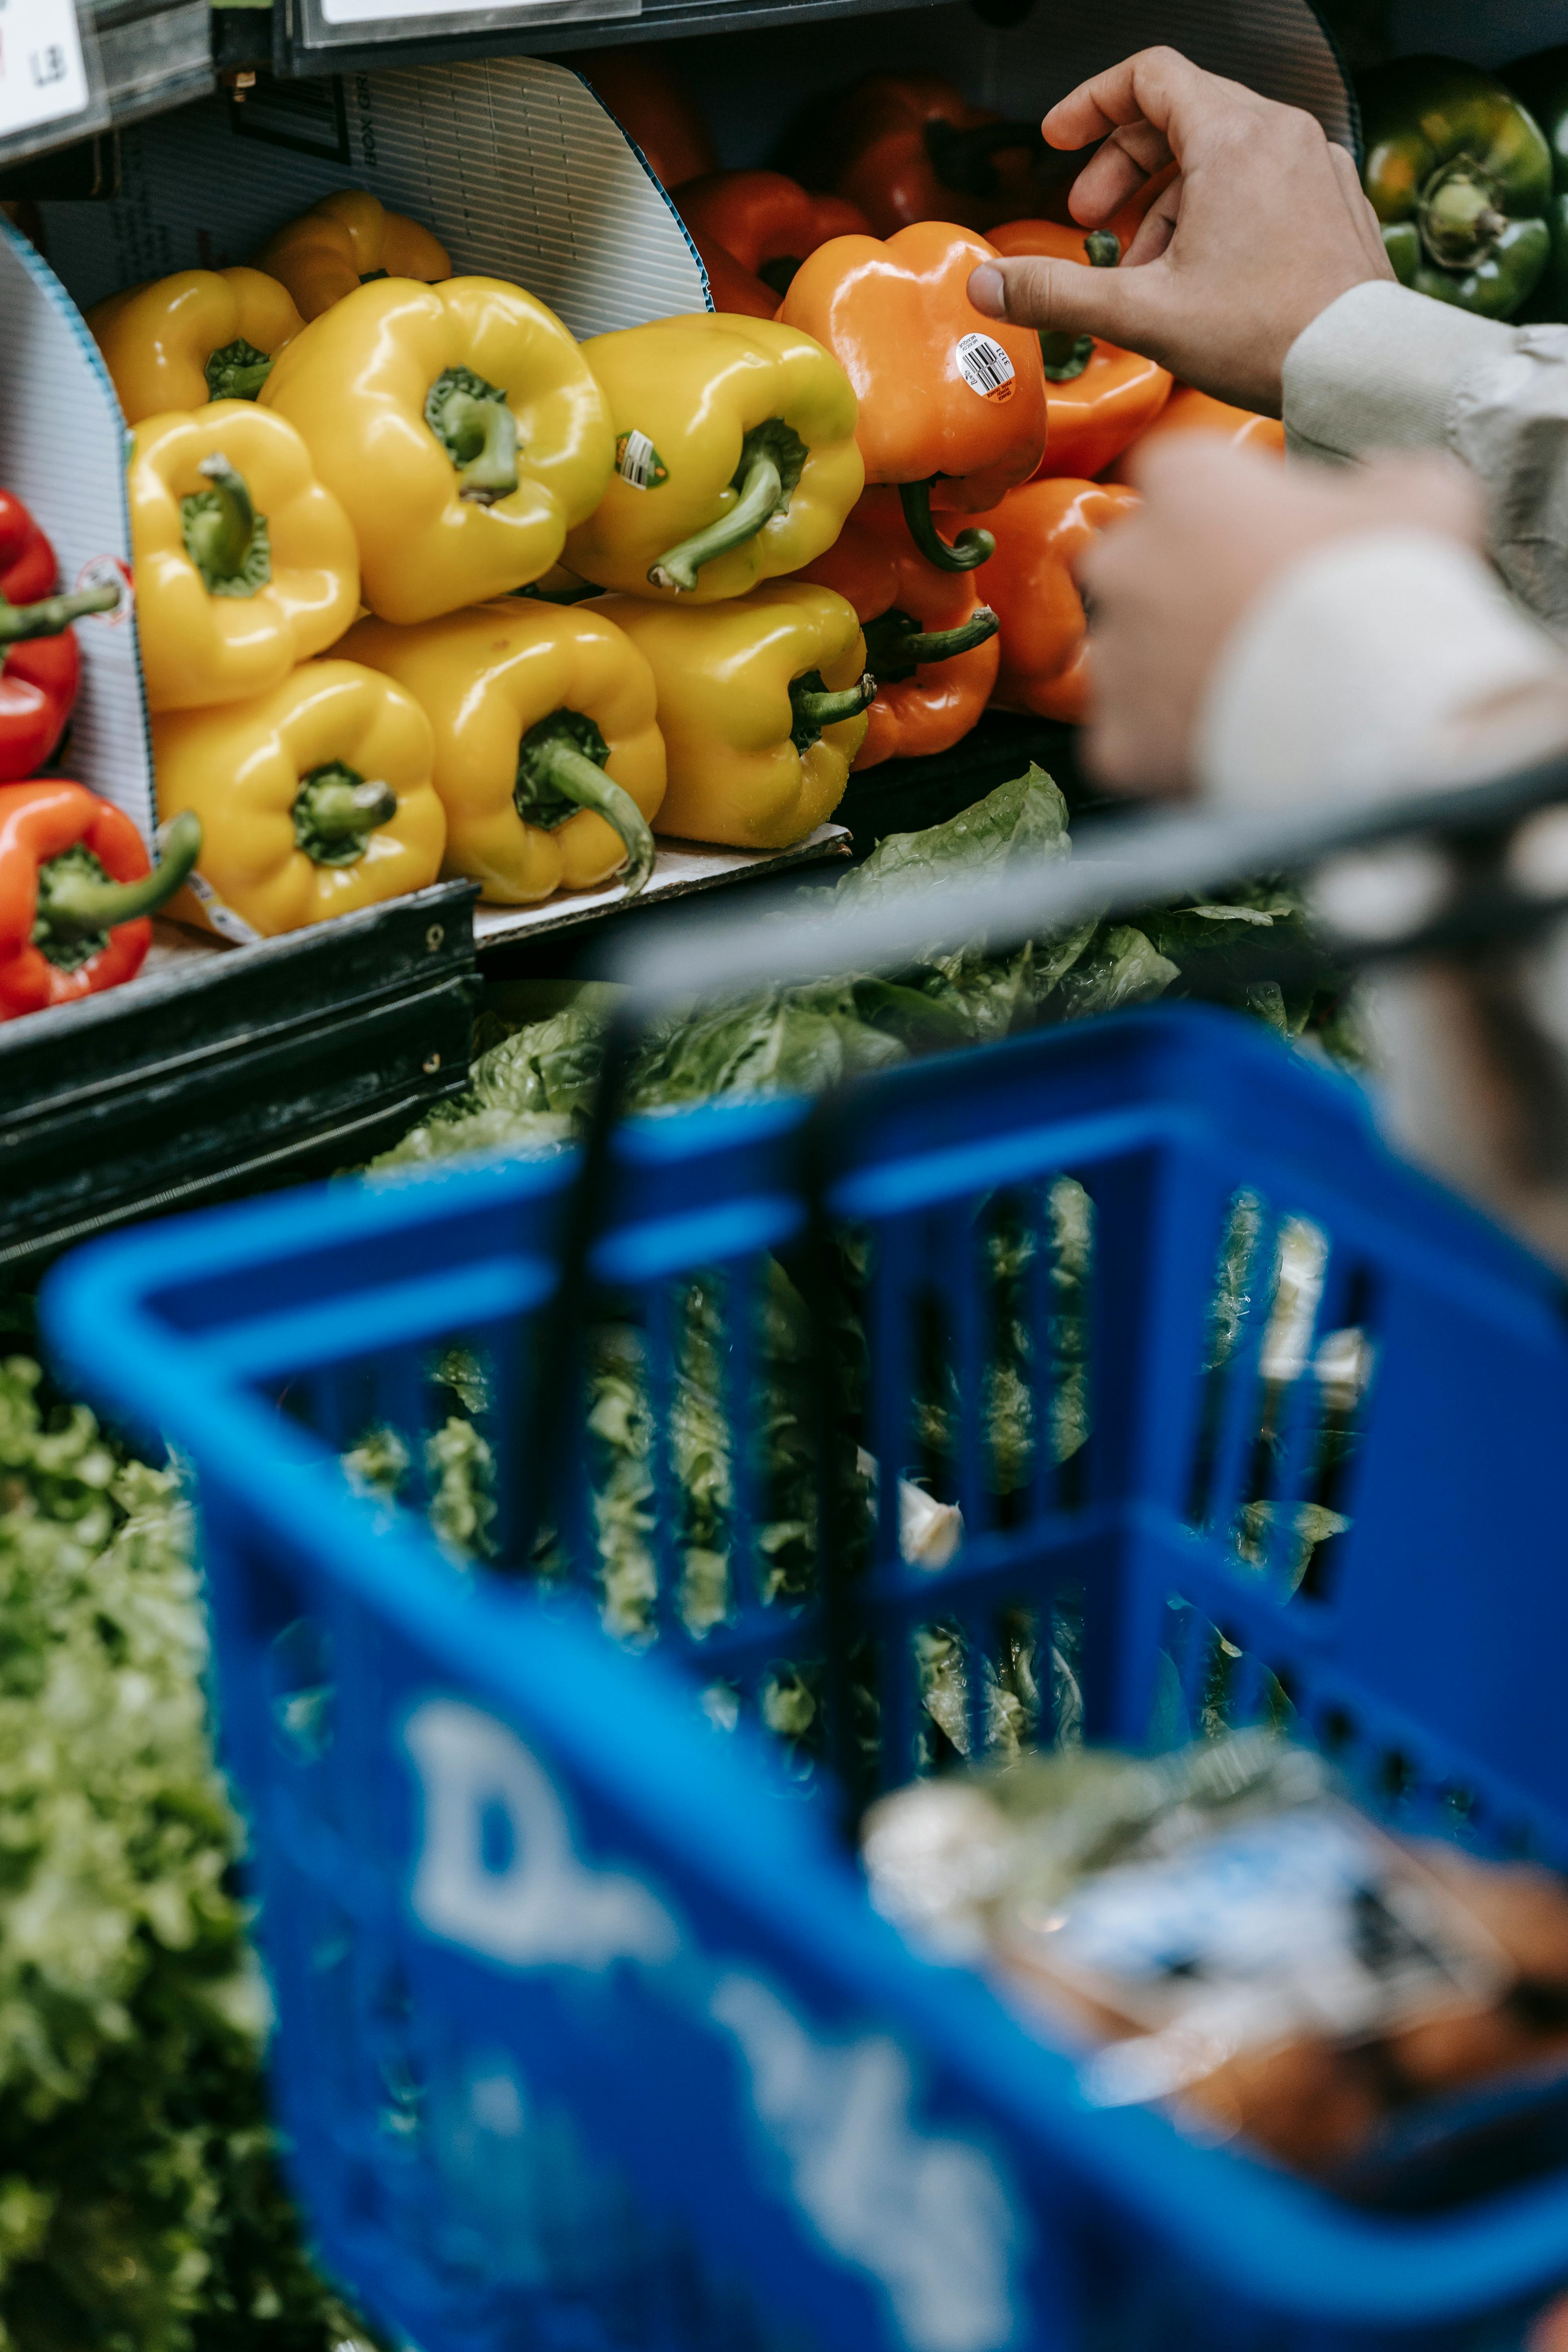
(1099, 397)
(1040, 532)
(76, 891)
(649, 99)
(930, 644)
(753, 229)
(39, 662)
(1188, 410)
(909, 147)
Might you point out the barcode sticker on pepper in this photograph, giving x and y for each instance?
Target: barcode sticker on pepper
(638, 462)
(984, 367)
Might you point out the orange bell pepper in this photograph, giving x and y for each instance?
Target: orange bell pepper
(753, 229)
(909, 147)
(1040, 532)
(1191, 411)
(953, 404)
(650, 101)
(1099, 397)
(930, 644)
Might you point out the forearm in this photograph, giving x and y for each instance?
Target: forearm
(1376, 664)
(1390, 662)
(1383, 368)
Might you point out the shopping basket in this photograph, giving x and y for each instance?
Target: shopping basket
(588, 2035)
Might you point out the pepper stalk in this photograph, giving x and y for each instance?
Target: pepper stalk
(52, 615)
(78, 904)
(817, 705)
(965, 553)
(1064, 354)
(225, 537)
(560, 769)
(896, 645)
(773, 459)
(470, 418)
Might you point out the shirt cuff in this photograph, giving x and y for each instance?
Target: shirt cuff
(1379, 369)
(1386, 663)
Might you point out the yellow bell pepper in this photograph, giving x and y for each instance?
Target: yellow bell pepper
(761, 705)
(548, 759)
(314, 799)
(343, 240)
(201, 335)
(735, 457)
(244, 563)
(461, 429)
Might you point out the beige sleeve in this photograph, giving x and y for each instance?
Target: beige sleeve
(1384, 368)
(1393, 661)
(1386, 663)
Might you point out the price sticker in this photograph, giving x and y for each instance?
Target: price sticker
(42, 76)
(984, 367)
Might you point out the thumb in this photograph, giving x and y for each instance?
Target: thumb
(1032, 292)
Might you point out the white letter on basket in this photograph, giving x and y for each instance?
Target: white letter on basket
(545, 1908)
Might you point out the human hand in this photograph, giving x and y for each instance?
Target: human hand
(1169, 584)
(1263, 227)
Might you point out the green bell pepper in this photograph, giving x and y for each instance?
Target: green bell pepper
(1541, 82)
(1460, 177)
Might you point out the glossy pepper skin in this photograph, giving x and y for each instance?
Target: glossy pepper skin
(338, 243)
(1540, 83)
(548, 762)
(39, 663)
(753, 229)
(646, 90)
(1040, 532)
(1099, 398)
(461, 427)
(909, 147)
(951, 405)
(1188, 410)
(314, 799)
(201, 335)
(244, 564)
(761, 705)
(930, 644)
(1460, 178)
(76, 893)
(736, 458)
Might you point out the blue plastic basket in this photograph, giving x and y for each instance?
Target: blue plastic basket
(588, 2035)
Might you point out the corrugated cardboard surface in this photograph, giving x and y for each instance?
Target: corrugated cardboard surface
(512, 161)
(62, 451)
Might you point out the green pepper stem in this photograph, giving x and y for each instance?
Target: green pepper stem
(970, 548)
(761, 490)
(1063, 354)
(816, 707)
(1103, 248)
(219, 526)
(469, 417)
(488, 428)
(1459, 216)
(72, 900)
(556, 765)
(54, 614)
(237, 372)
(896, 647)
(336, 810)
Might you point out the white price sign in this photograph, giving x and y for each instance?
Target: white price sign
(42, 76)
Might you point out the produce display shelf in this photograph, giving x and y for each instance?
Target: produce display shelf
(220, 1070)
(681, 869)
